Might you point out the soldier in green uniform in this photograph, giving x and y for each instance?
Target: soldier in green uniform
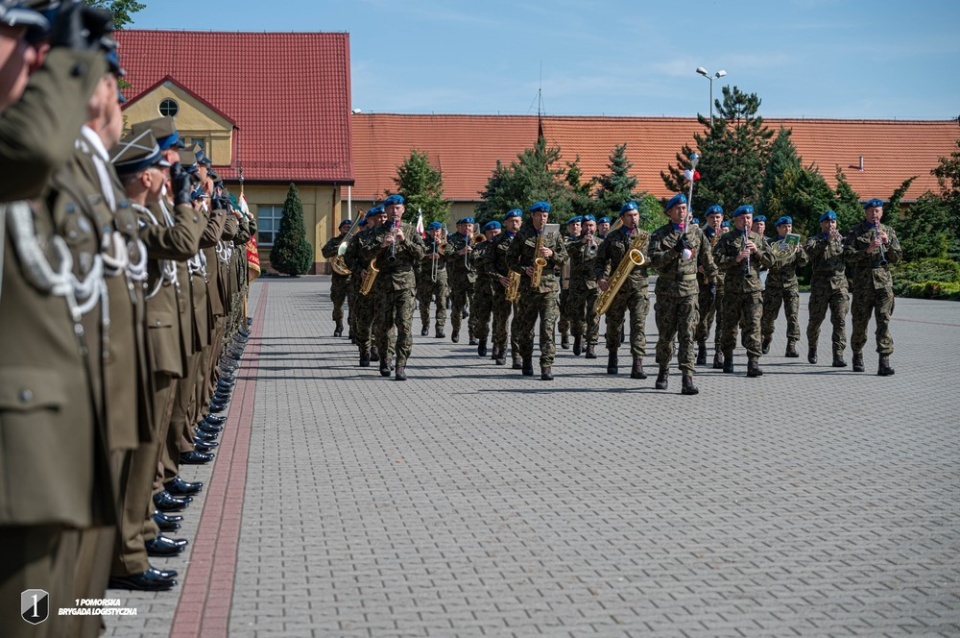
(633, 296)
(54, 468)
(741, 254)
(364, 309)
(339, 284)
(870, 248)
(502, 307)
(828, 288)
(462, 275)
(574, 227)
(603, 227)
(679, 253)
(432, 287)
(398, 249)
(711, 293)
(482, 306)
(783, 287)
(537, 302)
(585, 322)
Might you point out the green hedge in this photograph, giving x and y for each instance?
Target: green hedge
(928, 279)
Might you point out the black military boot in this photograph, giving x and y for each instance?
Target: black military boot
(812, 356)
(765, 346)
(501, 359)
(637, 371)
(718, 360)
(474, 341)
(440, 334)
(858, 362)
(885, 370)
(482, 348)
(384, 367)
(728, 362)
(425, 330)
(374, 354)
(753, 368)
(565, 341)
(517, 364)
(662, 377)
(577, 346)
(546, 374)
(701, 353)
(401, 374)
(591, 352)
(791, 352)
(688, 386)
(364, 359)
(528, 366)
(612, 362)
(338, 330)
(455, 337)
(838, 361)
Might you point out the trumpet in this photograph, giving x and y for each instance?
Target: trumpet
(881, 253)
(338, 264)
(438, 247)
(592, 246)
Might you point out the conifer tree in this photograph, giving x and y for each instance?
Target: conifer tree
(783, 155)
(291, 253)
(422, 187)
(618, 186)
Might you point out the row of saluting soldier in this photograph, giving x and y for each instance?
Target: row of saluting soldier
(735, 275)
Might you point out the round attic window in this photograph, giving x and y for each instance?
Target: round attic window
(169, 108)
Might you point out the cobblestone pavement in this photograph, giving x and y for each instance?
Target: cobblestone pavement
(471, 501)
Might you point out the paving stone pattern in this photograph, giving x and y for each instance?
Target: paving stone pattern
(472, 501)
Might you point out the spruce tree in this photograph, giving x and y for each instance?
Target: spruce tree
(291, 253)
(618, 186)
(803, 194)
(422, 187)
(580, 201)
(783, 155)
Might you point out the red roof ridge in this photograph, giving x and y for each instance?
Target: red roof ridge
(193, 94)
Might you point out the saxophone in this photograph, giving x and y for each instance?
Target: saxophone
(513, 288)
(632, 259)
(372, 272)
(539, 263)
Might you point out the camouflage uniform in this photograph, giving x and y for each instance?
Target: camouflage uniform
(394, 289)
(462, 278)
(430, 291)
(782, 287)
(634, 294)
(743, 293)
(540, 302)
(566, 317)
(481, 308)
(872, 285)
(585, 322)
(363, 308)
(339, 284)
(497, 266)
(710, 299)
(828, 289)
(677, 310)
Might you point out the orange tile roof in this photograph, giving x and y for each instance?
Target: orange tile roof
(466, 148)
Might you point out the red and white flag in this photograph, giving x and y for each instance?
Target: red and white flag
(420, 223)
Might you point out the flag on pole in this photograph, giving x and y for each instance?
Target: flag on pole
(420, 229)
(691, 176)
(253, 255)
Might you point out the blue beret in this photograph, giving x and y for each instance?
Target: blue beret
(516, 212)
(376, 210)
(679, 198)
(760, 218)
(695, 220)
(603, 220)
(724, 224)
(575, 220)
(871, 203)
(434, 226)
(346, 222)
(466, 220)
(827, 216)
(743, 210)
(494, 225)
(363, 222)
(786, 219)
(393, 200)
(628, 206)
(589, 218)
(540, 207)
(714, 210)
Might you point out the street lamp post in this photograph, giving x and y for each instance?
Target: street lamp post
(716, 76)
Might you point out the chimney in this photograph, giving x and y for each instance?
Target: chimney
(861, 164)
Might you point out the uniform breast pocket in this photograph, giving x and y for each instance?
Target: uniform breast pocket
(24, 389)
(164, 342)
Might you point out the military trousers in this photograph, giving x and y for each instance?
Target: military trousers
(436, 293)
(745, 307)
(772, 300)
(530, 307)
(339, 291)
(637, 303)
(678, 317)
(364, 312)
(502, 310)
(481, 311)
(584, 321)
(395, 311)
(565, 317)
(872, 301)
(710, 310)
(461, 295)
(822, 298)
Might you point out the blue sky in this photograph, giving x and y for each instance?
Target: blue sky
(804, 58)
